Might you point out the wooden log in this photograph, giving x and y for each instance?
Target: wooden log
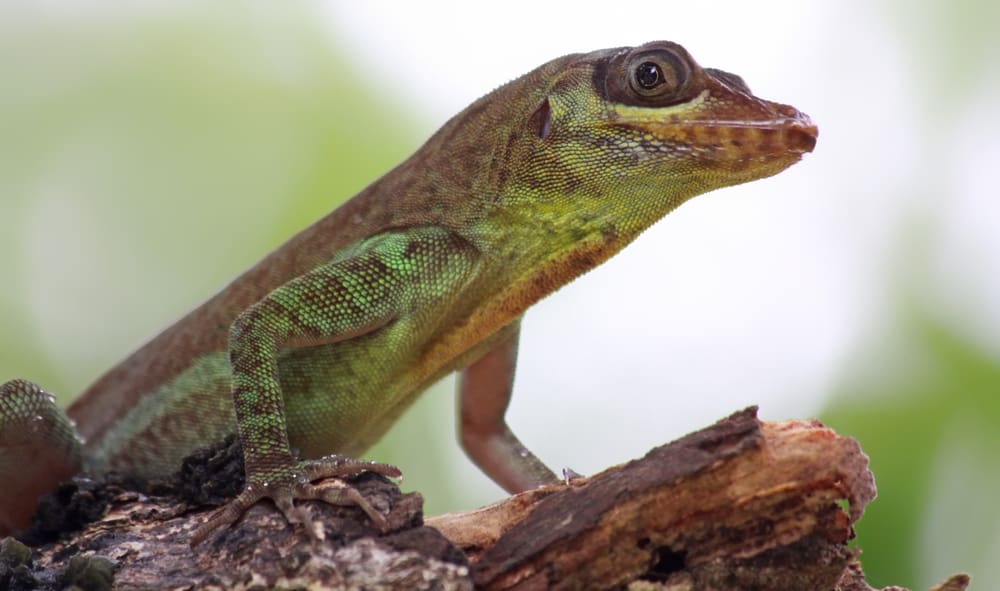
(738, 505)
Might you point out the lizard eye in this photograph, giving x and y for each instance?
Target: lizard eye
(648, 76)
(658, 74)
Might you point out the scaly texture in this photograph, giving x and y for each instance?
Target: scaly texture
(319, 347)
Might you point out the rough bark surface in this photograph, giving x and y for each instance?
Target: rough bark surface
(738, 505)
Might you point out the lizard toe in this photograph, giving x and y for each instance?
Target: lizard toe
(285, 488)
(337, 492)
(338, 466)
(229, 513)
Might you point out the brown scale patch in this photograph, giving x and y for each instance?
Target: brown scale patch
(708, 133)
(738, 136)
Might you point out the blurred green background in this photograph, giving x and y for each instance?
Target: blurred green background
(150, 152)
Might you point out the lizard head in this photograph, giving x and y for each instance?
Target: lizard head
(660, 109)
(628, 134)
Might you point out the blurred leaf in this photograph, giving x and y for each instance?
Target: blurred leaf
(955, 45)
(905, 419)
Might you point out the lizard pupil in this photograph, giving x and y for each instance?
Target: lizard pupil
(648, 75)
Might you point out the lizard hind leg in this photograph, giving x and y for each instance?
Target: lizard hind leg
(39, 449)
(297, 484)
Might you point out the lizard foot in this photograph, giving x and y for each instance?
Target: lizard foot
(297, 484)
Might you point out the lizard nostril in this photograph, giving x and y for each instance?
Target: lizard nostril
(802, 134)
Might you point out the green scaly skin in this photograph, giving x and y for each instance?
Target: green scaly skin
(319, 347)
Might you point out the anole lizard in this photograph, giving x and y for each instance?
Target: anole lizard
(318, 348)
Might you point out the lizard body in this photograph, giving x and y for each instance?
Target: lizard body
(320, 346)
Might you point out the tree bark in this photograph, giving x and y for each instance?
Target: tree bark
(738, 505)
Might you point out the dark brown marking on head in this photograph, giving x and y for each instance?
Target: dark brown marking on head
(599, 78)
(732, 80)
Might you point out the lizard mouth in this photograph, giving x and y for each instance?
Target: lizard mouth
(722, 128)
(790, 135)
(747, 148)
(796, 134)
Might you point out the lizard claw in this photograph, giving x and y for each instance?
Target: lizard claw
(297, 485)
(570, 474)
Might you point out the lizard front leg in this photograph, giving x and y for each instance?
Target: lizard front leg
(387, 281)
(484, 393)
